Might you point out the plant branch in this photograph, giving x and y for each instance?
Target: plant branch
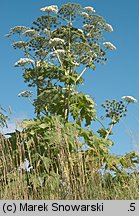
(81, 74)
(110, 129)
(58, 57)
(100, 122)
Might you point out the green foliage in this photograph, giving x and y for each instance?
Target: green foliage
(115, 110)
(103, 132)
(82, 107)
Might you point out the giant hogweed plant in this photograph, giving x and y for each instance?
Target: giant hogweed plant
(57, 54)
(62, 45)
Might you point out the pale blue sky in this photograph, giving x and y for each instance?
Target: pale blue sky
(120, 75)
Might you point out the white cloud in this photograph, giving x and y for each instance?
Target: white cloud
(13, 124)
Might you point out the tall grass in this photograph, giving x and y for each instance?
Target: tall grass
(63, 175)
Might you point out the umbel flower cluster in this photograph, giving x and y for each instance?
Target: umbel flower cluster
(25, 94)
(18, 29)
(30, 32)
(109, 45)
(86, 39)
(89, 9)
(24, 62)
(19, 44)
(52, 8)
(108, 27)
(117, 109)
(114, 109)
(130, 99)
(56, 41)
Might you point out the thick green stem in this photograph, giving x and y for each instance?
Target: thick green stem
(70, 69)
(58, 57)
(110, 129)
(112, 124)
(38, 92)
(80, 74)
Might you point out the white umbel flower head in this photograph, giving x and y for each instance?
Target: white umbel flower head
(30, 32)
(130, 99)
(108, 27)
(18, 29)
(46, 31)
(19, 44)
(52, 8)
(56, 41)
(25, 94)
(84, 14)
(58, 51)
(109, 45)
(89, 9)
(23, 62)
